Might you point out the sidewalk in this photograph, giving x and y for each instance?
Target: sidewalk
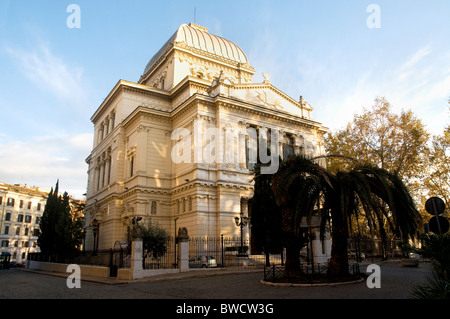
(397, 282)
(194, 273)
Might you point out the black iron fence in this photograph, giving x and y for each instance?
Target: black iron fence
(310, 273)
(363, 248)
(119, 258)
(165, 260)
(227, 252)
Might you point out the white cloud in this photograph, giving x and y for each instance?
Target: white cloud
(421, 82)
(42, 160)
(51, 73)
(415, 59)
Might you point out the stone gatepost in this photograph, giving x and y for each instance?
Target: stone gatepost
(183, 249)
(136, 258)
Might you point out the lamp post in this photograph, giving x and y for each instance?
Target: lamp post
(241, 222)
(95, 231)
(176, 242)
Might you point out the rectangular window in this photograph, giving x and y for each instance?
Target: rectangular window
(10, 202)
(21, 204)
(39, 206)
(251, 148)
(97, 171)
(153, 208)
(38, 220)
(20, 218)
(27, 219)
(109, 170)
(18, 231)
(6, 230)
(131, 166)
(103, 174)
(29, 205)
(5, 243)
(8, 216)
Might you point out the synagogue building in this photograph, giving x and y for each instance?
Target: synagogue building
(179, 145)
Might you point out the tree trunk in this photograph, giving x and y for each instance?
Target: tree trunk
(294, 244)
(338, 266)
(267, 258)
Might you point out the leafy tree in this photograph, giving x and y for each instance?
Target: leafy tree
(378, 136)
(154, 237)
(397, 143)
(437, 169)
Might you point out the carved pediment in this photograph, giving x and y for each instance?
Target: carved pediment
(267, 95)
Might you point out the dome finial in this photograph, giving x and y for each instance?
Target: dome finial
(198, 27)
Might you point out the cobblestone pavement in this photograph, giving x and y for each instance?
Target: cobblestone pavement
(396, 283)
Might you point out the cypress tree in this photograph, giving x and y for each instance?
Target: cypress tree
(58, 227)
(48, 237)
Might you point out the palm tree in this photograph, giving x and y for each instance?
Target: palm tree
(299, 187)
(265, 217)
(303, 187)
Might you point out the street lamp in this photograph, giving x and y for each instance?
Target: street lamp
(95, 231)
(136, 220)
(241, 222)
(176, 242)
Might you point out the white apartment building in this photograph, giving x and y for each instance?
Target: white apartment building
(21, 208)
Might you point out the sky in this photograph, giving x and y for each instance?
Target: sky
(57, 64)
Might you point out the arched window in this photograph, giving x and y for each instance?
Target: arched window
(288, 147)
(251, 147)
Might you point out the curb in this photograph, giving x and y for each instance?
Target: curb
(156, 278)
(327, 284)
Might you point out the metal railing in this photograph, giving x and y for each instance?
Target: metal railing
(121, 258)
(310, 273)
(166, 260)
(229, 252)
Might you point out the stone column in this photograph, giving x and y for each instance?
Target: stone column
(141, 165)
(136, 258)
(183, 250)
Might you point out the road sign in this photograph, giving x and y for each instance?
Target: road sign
(435, 206)
(438, 224)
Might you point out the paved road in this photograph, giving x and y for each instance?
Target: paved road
(396, 283)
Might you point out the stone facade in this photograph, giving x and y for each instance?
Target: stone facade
(21, 210)
(179, 145)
